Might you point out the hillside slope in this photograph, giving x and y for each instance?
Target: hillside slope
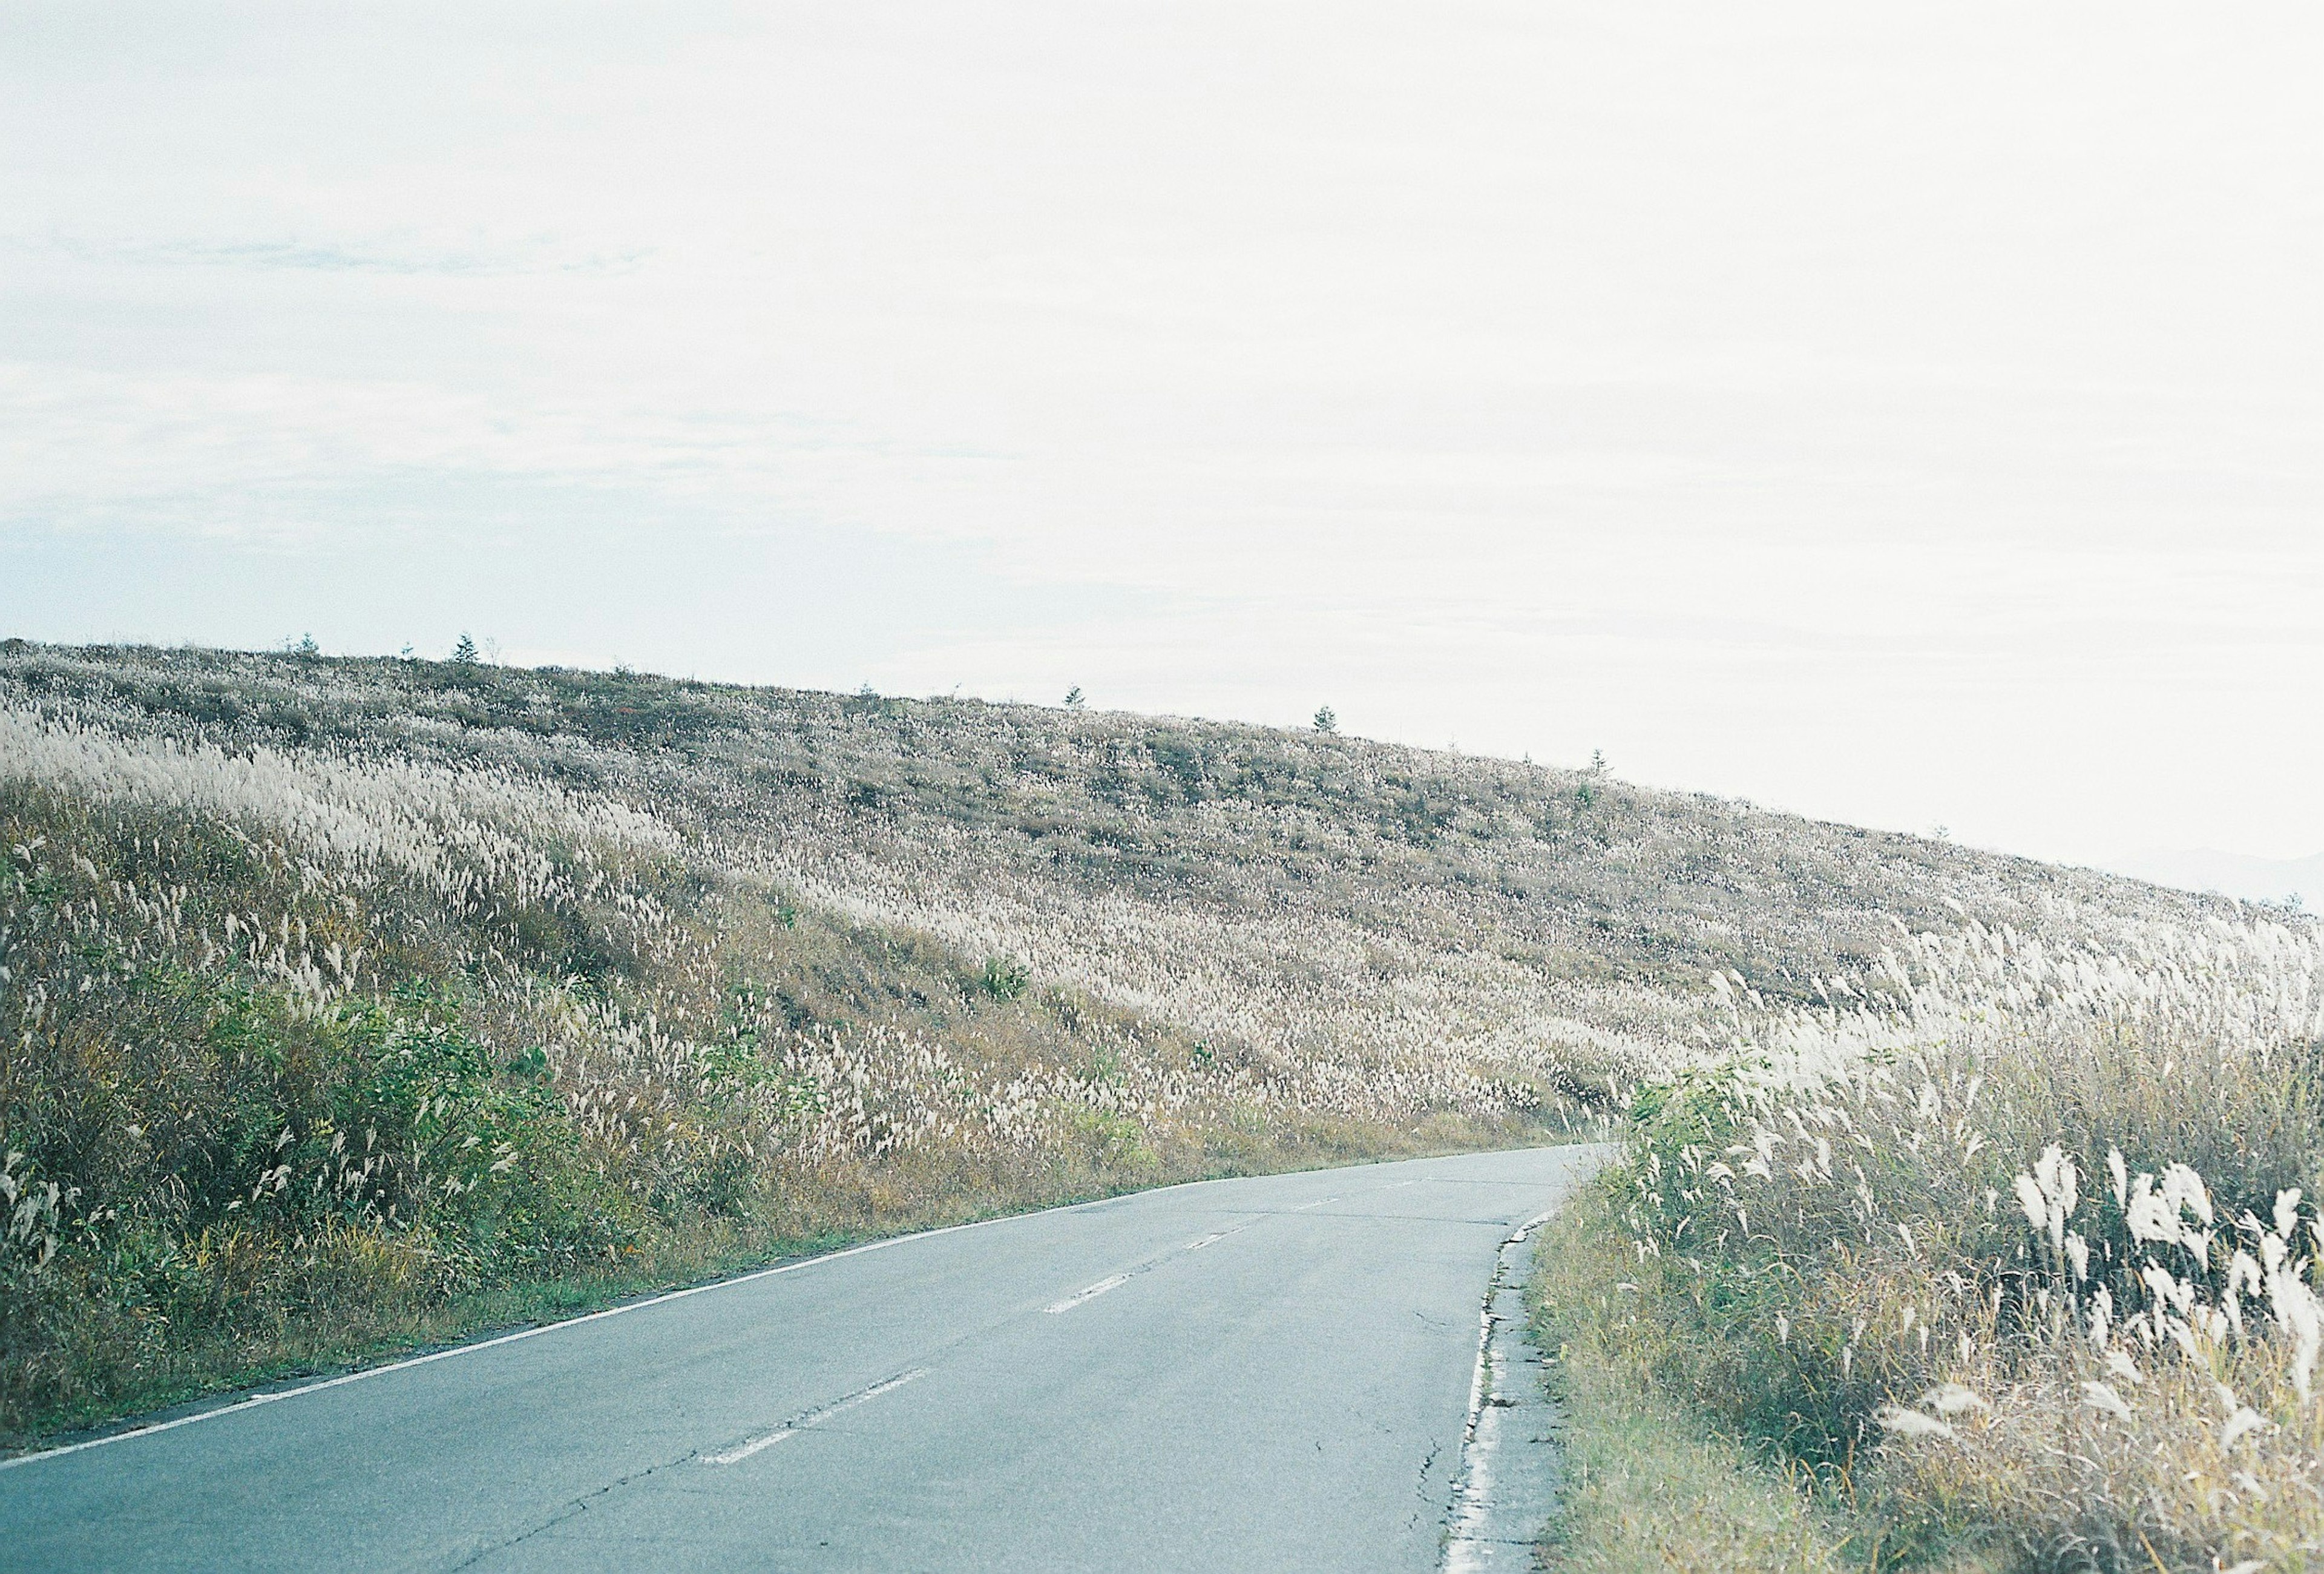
(342, 994)
(1288, 890)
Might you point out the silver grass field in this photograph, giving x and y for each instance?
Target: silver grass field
(2014, 1268)
(347, 1004)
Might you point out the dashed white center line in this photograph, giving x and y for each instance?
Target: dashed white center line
(816, 1417)
(1196, 1245)
(1091, 1293)
(1215, 1236)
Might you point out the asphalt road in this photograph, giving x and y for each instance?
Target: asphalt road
(1269, 1373)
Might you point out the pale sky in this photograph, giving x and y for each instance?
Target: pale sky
(1900, 413)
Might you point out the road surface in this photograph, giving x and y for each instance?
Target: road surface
(1265, 1373)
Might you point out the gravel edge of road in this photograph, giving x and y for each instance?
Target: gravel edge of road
(1510, 1473)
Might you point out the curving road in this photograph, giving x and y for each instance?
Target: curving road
(1266, 1373)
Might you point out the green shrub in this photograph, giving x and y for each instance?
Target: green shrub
(1004, 977)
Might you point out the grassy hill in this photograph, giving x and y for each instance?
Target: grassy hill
(351, 1002)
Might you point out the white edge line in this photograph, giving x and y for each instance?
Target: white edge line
(238, 1406)
(1091, 1293)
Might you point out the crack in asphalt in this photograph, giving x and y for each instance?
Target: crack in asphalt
(577, 1506)
(813, 1417)
(815, 1414)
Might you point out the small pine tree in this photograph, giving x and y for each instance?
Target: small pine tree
(1327, 720)
(1074, 698)
(464, 654)
(306, 647)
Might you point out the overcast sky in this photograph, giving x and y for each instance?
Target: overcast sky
(1903, 413)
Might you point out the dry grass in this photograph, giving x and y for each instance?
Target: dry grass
(2026, 1266)
(1330, 902)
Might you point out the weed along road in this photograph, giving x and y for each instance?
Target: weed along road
(1268, 1374)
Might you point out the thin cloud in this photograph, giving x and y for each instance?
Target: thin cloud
(504, 261)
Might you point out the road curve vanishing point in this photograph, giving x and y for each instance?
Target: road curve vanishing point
(1271, 1374)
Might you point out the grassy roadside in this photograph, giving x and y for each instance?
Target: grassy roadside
(2032, 1268)
(370, 1329)
(1650, 1483)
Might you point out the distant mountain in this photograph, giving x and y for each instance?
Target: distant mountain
(2231, 873)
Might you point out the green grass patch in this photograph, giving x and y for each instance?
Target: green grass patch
(1651, 1483)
